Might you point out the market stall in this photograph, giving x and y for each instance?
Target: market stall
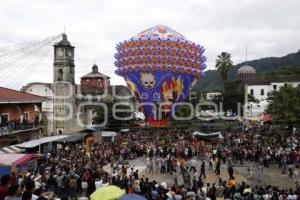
(108, 136)
(18, 163)
(216, 135)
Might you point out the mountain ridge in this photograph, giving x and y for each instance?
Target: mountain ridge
(268, 65)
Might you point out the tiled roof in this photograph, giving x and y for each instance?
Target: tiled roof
(95, 75)
(13, 96)
(268, 79)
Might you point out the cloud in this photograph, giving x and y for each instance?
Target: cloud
(269, 27)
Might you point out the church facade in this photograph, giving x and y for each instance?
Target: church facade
(74, 106)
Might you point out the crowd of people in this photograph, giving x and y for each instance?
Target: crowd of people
(69, 172)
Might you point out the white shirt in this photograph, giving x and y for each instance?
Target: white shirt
(34, 197)
(292, 197)
(98, 184)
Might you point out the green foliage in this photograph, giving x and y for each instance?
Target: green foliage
(286, 70)
(113, 123)
(285, 104)
(224, 64)
(233, 94)
(183, 111)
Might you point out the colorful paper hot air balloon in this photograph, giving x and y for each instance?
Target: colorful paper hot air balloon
(159, 66)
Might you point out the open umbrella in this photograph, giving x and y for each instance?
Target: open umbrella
(110, 192)
(132, 197)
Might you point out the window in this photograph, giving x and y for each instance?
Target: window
(99, 84)
(262, 92)
(60, 131)
(251, 92)
(275, 87)
(26, 115)
(4, 118)
(285, 85)
(60, 75)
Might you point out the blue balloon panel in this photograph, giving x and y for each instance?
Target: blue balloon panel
(156, 90)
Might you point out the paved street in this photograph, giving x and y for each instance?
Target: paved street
(271, 176)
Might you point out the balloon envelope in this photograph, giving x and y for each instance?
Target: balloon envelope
(110, 192)
(132, 197)
(159, 66)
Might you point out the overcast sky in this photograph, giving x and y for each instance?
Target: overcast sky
(269, 27)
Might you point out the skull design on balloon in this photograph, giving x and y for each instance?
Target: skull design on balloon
(148, 80)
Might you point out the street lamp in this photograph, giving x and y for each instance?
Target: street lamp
(246, 73)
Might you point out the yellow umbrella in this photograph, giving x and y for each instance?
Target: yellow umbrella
(110, 192)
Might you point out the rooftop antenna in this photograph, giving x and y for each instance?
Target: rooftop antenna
(64, 29)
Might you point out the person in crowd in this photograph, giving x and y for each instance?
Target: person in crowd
(70, 173)
(27, 195)
(14, 193)
(4, 186)
(202, 170)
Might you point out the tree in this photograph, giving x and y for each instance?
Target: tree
(233, 94)
(183, 111)
(285, 104)
(112, 122)
(223, 65)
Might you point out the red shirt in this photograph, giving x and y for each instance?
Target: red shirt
(3, 191)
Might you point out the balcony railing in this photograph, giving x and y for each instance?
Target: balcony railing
(13, 126)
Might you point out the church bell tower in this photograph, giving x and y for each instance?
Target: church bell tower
(63, 87)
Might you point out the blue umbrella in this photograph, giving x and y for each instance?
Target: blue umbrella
(132, 197)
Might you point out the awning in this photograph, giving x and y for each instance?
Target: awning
(16, 159)
(108, 134)
(72, 138)
(216, 134)
(26, 158)
(37, 142)
(267, 117)
(11, 149)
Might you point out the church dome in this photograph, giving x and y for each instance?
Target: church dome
(95, 73)
(95, 68)
(64, 41)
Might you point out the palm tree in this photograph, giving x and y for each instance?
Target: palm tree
(223, 65)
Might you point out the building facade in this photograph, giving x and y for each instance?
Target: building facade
(20, 115)
(63, 87)
(74, 106)
(44, 90)
(262, 87)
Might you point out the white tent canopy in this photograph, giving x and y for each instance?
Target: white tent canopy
(216, 134)
(125, 130)
(37, 142)
(8, 159)
(108, 134)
